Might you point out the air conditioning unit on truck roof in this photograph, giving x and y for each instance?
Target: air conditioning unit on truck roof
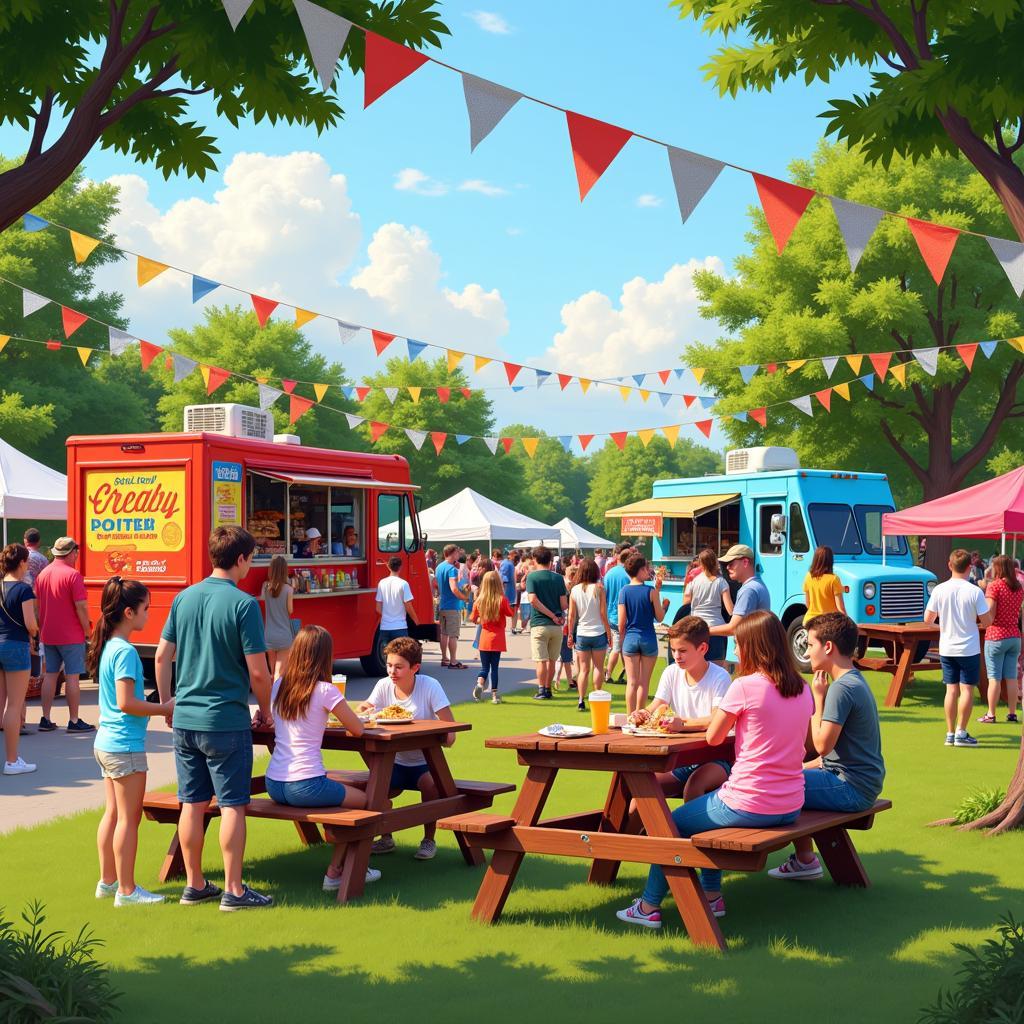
(230, 419)
(761, 460)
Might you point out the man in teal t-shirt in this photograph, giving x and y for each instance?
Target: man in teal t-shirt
(215, 632)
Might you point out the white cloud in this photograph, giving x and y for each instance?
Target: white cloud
(647, 330)
(411, 179)
(485, 188)
(648, 200)
(488, 21)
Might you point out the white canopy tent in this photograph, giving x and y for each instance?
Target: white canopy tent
(28, 489)
(571, 536)
(470, 516)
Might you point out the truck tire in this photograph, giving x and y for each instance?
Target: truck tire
(797, 637)
(374, 663)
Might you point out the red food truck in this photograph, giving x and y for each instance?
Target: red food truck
(143, 506)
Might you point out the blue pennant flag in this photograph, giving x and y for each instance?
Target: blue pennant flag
(566, 440)
(517, 387)
(747, 372)
(741, 416)
(707, 401)
(202, 286)
(679, 371)
(542, 376)
(462, 438)
(415, 348)
(988, 347)
(868, 381)
(34, 223)
(664, 396)
(348, 391)
(639, 378)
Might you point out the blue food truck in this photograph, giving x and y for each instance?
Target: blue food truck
(767, 501)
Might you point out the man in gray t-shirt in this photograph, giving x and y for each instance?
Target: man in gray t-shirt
(753, 594)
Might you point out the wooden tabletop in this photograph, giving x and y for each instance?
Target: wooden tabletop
(389, 737)
(896, 629)
(613, 743)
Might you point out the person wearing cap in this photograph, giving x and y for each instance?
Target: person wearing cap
(314, 541)
(752, 596)
(64, 625)
(350, 542)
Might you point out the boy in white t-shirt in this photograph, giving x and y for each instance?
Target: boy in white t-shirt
(959, 605)
(426, 699)
(394, 603)
(692, 687)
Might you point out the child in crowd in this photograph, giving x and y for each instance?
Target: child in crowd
(276, 595)
(491, 611)
(120, 744)
(770, 706)
(425, 698)
(849, 771)
(302, 699)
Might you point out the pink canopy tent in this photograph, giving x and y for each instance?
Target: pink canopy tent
(994, 508)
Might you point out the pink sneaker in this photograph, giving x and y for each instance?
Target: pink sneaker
(717, 907)
(634, 915)
(794, 869)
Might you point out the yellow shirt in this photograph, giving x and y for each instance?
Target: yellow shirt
(821, 593)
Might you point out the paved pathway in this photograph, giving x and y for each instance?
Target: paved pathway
(68, 779)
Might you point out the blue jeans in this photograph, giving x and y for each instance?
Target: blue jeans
(826, 791)
(387, 635)
(701, 815)
(319, 791)
(489, 667)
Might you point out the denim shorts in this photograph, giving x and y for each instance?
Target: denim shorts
(961, 669)
(15, 656)
(118, 765)
(407, 776)
(1001, 657)
(684, 771)
(616, 639)
(69, 656)
(642, 645)
(320, 791)
(826, 791)
(214, 764)
(592, 643)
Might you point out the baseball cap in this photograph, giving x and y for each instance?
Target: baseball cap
(737, 551)
(312, 533)
(64, 546)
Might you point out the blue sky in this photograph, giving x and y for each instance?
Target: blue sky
(515, 245)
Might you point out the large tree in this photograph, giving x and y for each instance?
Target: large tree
(945, 77)
(123, 73)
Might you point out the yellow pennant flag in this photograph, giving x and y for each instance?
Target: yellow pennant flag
(1017, 343)
(320, 390)
(4, 338)
(795, 364)
(530, 444)
(899, 371)
(624, 391)
(204, 370)
(148, 269)
(842, 390)
(646, 436)
(855, 362)
(584, 384)
(303, 316)
(83, 354)
(698, 373)
(644, 395)
(414, 393)
(454, 358)
(671, 434)
(82, 245)
(479, 362)
(262, 380)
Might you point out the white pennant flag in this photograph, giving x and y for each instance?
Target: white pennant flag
(1011, 259)
(235, 10)
(353, 420)
(347, 331)
(30, 302)
(416, 436)
(183, 366)
(492, 443)
(119, 341)
(268, 396)
(829, 362)
(692, 175)
(326, 33)
(486, 104)
(803, 403)
(392, 394)
(857, 224)
(928, 359)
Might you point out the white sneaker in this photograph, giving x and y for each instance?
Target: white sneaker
(793, 868)
(334, 884)
(140, 896)
(19, 767)
(104, 891)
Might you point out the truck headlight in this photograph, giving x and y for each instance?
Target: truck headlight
(869, 590)
(930, 586)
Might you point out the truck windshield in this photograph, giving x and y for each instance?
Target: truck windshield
(833, 526)
(869, 522)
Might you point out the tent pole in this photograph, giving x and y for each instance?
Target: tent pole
(1002, 549)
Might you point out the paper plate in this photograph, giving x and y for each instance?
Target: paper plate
(566, 732)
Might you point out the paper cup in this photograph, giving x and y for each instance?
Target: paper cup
(600, 710)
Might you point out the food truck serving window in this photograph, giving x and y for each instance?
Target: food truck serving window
(833, 526)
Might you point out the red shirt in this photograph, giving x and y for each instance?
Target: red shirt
(492, 634)
(1006, 624)
(58, 587)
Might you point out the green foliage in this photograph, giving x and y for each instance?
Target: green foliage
(991, 982)
(806, 303)
(44, 976)
(21, 425)
(977, 804)
(1004, 461)
(553, 483)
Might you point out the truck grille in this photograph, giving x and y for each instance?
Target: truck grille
(904, 601)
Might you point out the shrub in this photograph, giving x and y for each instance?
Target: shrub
(45, 976)
(977, 804)
(991, 982)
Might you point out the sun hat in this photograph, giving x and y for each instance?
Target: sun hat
(737, 551)
(64, 546)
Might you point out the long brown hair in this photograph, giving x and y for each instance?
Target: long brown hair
(489, 600)
(761, 638)
(589, 572)
(309, 663)
(708, 562)
(1003, 569)
(277, 575)
(118, 596)
(823, 561)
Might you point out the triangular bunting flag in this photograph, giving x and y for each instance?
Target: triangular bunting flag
(415, 349)
(927, 359)
(392, 394)
(346, 332)
(704, 426)
(381, 340)
(263, 307)
(542, 376)
(146, 270)
(671, 434)
(202, 286)
(880, 361)
(692, 175)
(707, 401)
(354, 421)
(688, 400)
(268, 396)
(825, 397)
(803, 403)
(747, 372)
(664, 396)
(53, 346)
(463, 438)
(183, 367)
(439, 438)
(320, 390)
(83, 354)
(4, 338)
(414, 394)
(566, 441)
(298, 407)
(857, 224)
(33, 223)
(361, 393)
(511, 371)
(303, 317)
(698, 374)
(262, 380)
(518, 387)
(492, 443)
(466, 393)
(289, 386)
(1017, 343)
(868, 380)
(678, 371)
(506, 443)
(82, 245)
(454, 358)
(619, 438)
(795, 364)
(584, 384)
(625, 391)
(387, 64)
(771, 368)
(899, 371)
(783, 204)
(148, 352)
(30, 302)
(843, 391)
(646, 437)
(326, 34)
(855, 362)
(988, 347)
(936, 244)
(829, 363)
(416, 436)
(479, 362)
(638, 378)
(595, 145)
(1011, 259)
(530, 444)
(377, 430)
(486, 104)
(644, 395)
(119, 340)
(761, 415)
(663, 376)
(742, 417)
(214, 377)
(967, 354)
(235, 10)
(584, 440)
(72, 320)
(443, 394)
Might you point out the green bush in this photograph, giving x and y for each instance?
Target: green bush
(45, 976)
(991, 983)
(976, 804)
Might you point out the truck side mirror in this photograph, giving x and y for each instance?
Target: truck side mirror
(779, 524)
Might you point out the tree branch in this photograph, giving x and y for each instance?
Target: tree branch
(144, 92)
(920, 16)
(904, 343)
(42, 123)
(902, 452)
(1007, 399)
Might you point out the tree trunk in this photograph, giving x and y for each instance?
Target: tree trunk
(1009, 814)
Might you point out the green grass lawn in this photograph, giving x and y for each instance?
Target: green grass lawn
(797, 951)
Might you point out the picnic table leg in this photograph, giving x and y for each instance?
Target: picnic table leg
(616, 813)
(905, 658)
(841, 858)
(357, 854)
(442, 776)
(501, 872)
(701, 925)
(308, 833)
(174, 862)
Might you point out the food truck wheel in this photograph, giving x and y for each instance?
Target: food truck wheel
(797, 635)
(374, 663)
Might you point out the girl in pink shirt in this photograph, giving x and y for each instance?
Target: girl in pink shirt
(769, 705)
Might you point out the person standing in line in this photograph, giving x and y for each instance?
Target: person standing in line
(491, 611)
(64, 625)
(466, 603)
(823, 590)
(1004, 596)
(17, 628)
(507, 572)
(600, 560)
(958, 605)
(449, 601)
(706, 594)
(394, 603)
(37, 562)
(277, 597)
(639, 607)
(548, 601)
(590, 632)
(752, 596)
(523, 570)
(615, 579)
(215, 632)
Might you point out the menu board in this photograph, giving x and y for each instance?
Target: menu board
(226, 487)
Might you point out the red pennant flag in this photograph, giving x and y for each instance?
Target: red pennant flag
(511, 371)
(783, 204)
(689, 400)
(264, 307)
(466, 393)
(387, 63)
(377, 430)
(54, 346)
(506, 443)
(564, 380)
(148, 352)
(704, 426)
(760, 415)
(217, 377)
(967, 353)
(663, 374)
(620, 439)
(936, 244)
(595, 145)
(880, 361)
(584, 440)
(439, 438)
(771, 367)
(72, 320)
(443, 394)
(288, 385)
(298, 407)
(361, 394)
(825, 397)
(380, 339)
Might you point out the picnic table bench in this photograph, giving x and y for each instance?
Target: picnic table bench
(602, 835)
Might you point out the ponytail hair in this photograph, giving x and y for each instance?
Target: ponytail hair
(118, 596)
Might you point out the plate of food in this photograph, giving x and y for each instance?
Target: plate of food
(565, 732)
(652, 725)
(394, 714)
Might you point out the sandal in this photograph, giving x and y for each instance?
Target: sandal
(456, 664)
(445, 664)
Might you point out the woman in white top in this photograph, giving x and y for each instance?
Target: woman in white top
(705, 594)
(589, 630)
